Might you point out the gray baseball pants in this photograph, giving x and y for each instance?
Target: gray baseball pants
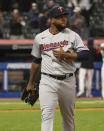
(52, 91)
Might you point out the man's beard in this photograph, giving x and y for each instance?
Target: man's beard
(59, 27)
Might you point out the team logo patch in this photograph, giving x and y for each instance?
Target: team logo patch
(60, 9)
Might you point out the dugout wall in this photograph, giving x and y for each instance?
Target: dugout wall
(14, 77)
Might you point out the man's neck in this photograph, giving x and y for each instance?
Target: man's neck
(53, 30)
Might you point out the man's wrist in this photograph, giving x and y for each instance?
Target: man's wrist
(31, 82)
(72, 56)
(64, 56)
(67, 55)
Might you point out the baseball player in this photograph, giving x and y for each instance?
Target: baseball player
(86, 71)
(56, 49)
(102, 69)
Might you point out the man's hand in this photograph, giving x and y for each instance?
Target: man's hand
(59, 54)
(66, 56)
(30, 94)
(30, 88)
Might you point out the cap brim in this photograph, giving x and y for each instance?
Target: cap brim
(64, 13)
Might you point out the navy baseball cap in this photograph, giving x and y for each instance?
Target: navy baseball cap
(58, 11)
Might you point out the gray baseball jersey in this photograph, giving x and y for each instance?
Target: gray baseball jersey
(45, 42)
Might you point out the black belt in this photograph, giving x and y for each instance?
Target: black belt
(61, 77)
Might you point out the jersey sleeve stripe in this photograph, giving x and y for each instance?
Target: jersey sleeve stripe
(36, 60)
(83, 55)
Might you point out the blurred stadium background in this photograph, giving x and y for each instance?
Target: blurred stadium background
(18, 27)
(15, 45)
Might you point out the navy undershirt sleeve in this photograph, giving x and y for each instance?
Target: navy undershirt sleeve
(36, 60)
(83, 55)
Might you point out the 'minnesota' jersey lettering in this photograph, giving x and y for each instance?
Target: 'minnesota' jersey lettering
(46, 47)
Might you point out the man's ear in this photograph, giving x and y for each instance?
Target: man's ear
(52, 20)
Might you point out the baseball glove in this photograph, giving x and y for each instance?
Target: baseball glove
(28, 97)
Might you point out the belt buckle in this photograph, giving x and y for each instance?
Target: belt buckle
(67, 75)
(62, 77)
